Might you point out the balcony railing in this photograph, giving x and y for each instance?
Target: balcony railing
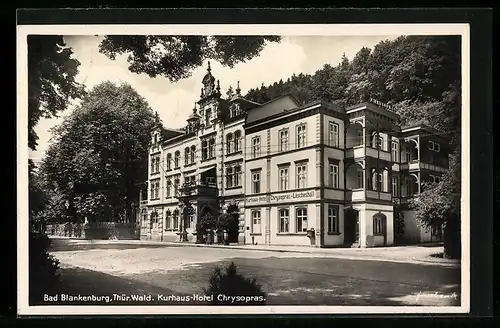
(357, 195)
(200, 189)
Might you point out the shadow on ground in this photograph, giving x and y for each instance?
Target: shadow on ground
(323, 281)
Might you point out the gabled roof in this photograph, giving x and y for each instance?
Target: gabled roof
(272, 108)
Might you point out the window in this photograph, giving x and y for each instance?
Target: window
(187, 156)
(361, 183)
(175, 219)
(301, 135)
(378, 224)
(169, 188)
(176, 187)
(395, 152)
(408, 154)
(333, 175)
(333, 222)
(359, 137)
(256, 181)
(436, 147)
(284, 217)
(168, 220)
(301, 175)
(208, 117)
(436, 179)
(229, 143)
(237, 141)
(256, 221)
(333, 134)
(433, 179)
(255, 147)
(377, 181)
(395, 186)
(233, 175)
(301, 217)
(379, 142)
(283, 177)
(193, 152)
(155, 189)
(204, 150)
(177, 159)
(169, 161)
(283, 140)
(431, 145)
(211, 148)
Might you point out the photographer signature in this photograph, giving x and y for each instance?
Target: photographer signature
(436, 294)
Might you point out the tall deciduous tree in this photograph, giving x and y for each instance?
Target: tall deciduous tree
(100, 153)
(51, 80)
(175, 57)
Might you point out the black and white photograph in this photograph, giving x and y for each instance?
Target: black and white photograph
(243, 169)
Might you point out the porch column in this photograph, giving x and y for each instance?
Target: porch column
(362, 227)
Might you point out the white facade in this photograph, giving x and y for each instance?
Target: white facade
(312, 175)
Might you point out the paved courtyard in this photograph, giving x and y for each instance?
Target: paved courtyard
(288, 278)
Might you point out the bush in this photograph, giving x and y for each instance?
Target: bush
(452, 239)
(43, 267)
(231, 288)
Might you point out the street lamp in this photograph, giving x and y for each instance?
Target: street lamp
(185, 191)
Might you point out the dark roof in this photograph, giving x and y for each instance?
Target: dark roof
(167, 134)
(272, 108)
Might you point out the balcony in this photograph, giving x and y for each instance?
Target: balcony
(360, 195)
(359, 152)
(204, 189)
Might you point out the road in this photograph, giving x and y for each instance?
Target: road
(287, 278)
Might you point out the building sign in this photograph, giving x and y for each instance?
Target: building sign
(381, 104)
(297, 196)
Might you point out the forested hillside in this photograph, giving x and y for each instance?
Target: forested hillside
(419, 76)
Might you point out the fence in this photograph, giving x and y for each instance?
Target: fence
(96, 230)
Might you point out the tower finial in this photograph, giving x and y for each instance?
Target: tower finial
(218, 85)
(238, 90)
(209, 69)
(194, 108)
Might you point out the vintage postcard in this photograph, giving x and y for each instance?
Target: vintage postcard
(243, 169)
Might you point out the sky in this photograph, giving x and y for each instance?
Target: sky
(174, 101)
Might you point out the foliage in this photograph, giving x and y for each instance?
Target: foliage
(207, 221)
(43, 267)
(231, 283)
(439, 204)
(419, 76)
(99, 154)
(51, 80)
(175, 57)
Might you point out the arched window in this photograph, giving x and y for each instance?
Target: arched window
(229, 143)
(177, 159)
(175, 219)
(187, 156)
(193, 151)
(379, 222)
(168, 219)
(169, 161)
(208, 117)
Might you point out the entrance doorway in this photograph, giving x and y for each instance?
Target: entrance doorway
(351, 226)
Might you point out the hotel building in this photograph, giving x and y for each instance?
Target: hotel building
(316, 174)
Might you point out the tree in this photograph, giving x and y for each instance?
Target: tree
(51, 80)
(100, 153)
(439, 205)
(175, 57)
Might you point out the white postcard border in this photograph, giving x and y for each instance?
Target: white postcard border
(211, 29)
